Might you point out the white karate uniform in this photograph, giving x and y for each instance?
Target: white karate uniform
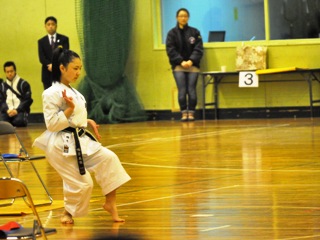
(60, 151)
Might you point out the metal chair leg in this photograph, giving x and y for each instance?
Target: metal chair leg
(39, 177)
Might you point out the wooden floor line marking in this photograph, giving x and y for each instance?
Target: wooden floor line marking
(197, 135)
(220, 169)
(179, 195)
(173, 196)
(295, 238)
(215, 228)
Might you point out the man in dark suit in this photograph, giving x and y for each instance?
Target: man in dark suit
(45, 47)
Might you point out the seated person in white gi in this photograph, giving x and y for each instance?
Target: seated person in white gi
(15, 97)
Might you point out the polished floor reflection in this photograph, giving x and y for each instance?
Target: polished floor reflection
(226, 179)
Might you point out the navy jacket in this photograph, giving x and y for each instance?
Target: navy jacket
(24, 91)
(177, 51)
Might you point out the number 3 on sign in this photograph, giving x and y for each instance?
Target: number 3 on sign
(248, 79)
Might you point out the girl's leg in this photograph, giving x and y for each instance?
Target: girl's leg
(110, 175)
(111, 207)
(76, 188)
(192, 93)
(66, 217)
(180, 78)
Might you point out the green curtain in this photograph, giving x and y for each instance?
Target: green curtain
(104, 28)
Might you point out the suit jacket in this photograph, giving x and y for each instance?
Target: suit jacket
(45, 56)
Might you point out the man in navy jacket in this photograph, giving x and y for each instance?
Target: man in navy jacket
(45, 47)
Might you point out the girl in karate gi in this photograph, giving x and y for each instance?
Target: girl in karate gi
(64, 108)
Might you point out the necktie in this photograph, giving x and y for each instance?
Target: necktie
(52, 42)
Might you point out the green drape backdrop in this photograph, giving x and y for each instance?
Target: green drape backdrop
(104, 28)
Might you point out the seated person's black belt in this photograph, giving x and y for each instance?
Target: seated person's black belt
(79, 132)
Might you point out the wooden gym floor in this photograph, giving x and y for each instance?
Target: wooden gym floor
(226, 179)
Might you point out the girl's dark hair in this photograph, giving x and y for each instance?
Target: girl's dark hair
(61, 56)
(182, 9)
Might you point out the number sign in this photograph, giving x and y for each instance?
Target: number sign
(248, 79)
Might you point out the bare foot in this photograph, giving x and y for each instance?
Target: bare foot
(112, 209)
(66, 218)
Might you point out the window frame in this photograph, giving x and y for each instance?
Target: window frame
(157, 33)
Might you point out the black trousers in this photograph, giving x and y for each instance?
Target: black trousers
(20, 120)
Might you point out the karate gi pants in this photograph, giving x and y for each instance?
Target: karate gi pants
(77, 189)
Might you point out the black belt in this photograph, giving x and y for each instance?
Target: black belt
(79, 132)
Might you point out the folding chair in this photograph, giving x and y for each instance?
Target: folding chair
(6, 128)
(11, 188)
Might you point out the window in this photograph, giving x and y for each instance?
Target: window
(294, 19)
(244, 20)
(241, 20)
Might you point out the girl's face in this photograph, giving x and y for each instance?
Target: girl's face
(71, 73)
(182, 18)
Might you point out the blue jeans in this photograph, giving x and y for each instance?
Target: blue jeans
(187, 93)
